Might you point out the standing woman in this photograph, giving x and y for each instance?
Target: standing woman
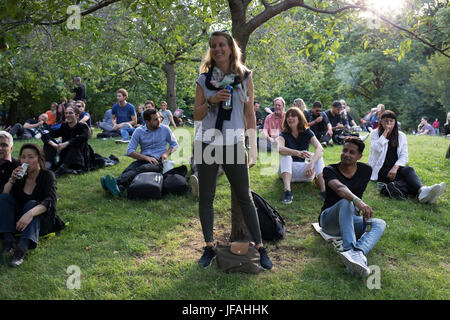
(388, 158)
(31, 207)
(293, 145)
(220, 139)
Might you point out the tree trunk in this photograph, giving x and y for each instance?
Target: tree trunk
(12, 113)
(169, 70)
(239, 231)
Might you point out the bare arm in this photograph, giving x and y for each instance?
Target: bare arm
(345, 193)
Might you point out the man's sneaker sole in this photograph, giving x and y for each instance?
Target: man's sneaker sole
(432, 194)
(353, 266)
(442, 187)
(193, 182)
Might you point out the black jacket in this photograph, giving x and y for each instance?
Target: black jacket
(45, 194)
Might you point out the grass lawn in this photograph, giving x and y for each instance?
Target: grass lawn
(149, 249)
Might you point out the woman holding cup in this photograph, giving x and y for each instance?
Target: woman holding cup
(30, 208)
(296, 162)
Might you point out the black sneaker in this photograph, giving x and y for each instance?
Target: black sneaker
(208, 256)
(17, 258)
(264, 259)
(287, 197)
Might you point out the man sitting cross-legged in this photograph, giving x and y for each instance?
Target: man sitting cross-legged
(73, 151)
(345, 183)
(153, 138)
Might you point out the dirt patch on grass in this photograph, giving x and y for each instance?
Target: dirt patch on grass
(187, 244)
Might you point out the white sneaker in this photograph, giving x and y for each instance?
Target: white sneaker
(122, 141)
(193, 182)
(442, 187)
(356, 261)
(428, 193)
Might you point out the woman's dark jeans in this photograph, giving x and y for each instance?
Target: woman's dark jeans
(238, 176)
(11, 213)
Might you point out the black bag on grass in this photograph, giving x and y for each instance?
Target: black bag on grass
(175, 184)
(271, 223)
(175, 181)
(146, 185)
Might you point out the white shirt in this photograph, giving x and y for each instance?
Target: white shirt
(378, 150)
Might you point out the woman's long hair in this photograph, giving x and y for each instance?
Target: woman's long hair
(302, 123)
(40, 153)
(393, 136)
(236, 66)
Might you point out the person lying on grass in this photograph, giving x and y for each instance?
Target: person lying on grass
(344, 213)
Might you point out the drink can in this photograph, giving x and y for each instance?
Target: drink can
(227, 104)
(22, 173)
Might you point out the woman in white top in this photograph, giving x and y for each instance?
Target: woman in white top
(388, 158)
(224, 115)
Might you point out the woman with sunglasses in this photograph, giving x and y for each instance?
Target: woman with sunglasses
(388, 158)
(223, 110)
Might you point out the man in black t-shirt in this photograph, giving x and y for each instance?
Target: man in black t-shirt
(345, 183)
(318, 122)
(79, 92)
(334, 116)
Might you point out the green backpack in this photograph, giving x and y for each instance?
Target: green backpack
(245, 259)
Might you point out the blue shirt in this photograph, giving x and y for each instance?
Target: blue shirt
(123, 114)
(153, 142)
(83, 114)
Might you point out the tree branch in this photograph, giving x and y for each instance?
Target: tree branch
(273, 10)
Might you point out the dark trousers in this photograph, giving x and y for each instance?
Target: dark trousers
(324, 137)
(407, 178)
(238, 176)
(20, 132)
(136, 167)
(71, 157)
(11, 213)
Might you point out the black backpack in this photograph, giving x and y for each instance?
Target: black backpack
(271, 223)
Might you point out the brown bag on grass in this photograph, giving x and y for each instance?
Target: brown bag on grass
(238, 257)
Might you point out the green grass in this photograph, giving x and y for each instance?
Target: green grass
(149, 249)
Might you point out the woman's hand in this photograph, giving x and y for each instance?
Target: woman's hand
(222, 95)
(392, 173)
(387, 130)
(24, 221)
(15, 173)
(303, 154)
(253, 157)
(309, 170)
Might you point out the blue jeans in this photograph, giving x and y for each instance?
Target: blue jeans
(126, 132)
(341, 220)
(11, 213)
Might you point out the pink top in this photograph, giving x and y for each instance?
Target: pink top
(273, 124)
(436, 124)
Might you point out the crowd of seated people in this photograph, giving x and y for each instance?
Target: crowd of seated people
(66, 128)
